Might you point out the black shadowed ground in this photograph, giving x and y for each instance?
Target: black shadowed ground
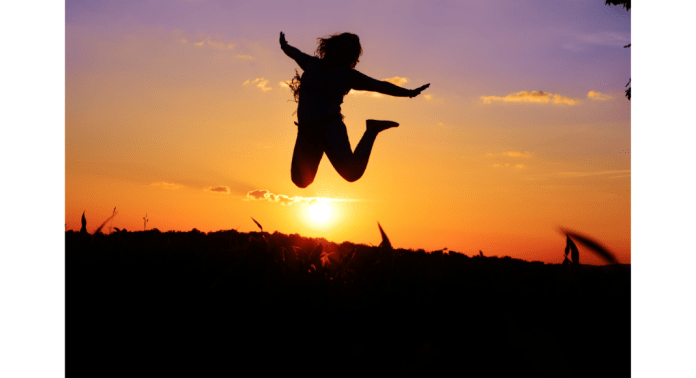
(225, 303)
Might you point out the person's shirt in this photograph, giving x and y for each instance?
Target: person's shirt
(322, 89)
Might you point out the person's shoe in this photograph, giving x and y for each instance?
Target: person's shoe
(378, 126)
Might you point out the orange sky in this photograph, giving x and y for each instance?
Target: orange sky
(160, 109)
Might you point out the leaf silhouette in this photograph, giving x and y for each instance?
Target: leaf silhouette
(594, 246)
(315, 256)
(348, 258)
(566, 262)
(257, 223)
(112, 220)
(325, 259)
(386, 244)
(107, 219)
(83, 230)
(567, 247)
(573, 249)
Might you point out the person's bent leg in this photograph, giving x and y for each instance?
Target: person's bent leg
(351, 165)
(378, 126)
(305, 160)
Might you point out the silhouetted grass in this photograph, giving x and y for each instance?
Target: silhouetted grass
(258, 224)
(593, 245)
(194, 304)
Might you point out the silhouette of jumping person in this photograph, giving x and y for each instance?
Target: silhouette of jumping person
(319, 94)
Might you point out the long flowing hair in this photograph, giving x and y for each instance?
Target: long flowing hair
(349, 55)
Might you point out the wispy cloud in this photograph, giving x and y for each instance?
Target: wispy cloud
(510, 154)
(396, 80)
(262, 194)
(265, 195)
(513, 154)
(524, 154)
(353, 92)
(283, 84)
(507, 165)
(260, 83)
(622, 173)
(582, 41)
(597, 96)
(167, 185)
(246, 57)
(539, 97)
(217, 189)
(605, 38)
(207, 41)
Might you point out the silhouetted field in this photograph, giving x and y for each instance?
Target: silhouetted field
(225, 303)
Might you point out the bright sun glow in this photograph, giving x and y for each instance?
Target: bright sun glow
(320, 212)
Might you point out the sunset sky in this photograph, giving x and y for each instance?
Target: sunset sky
(177, 110)
(103, 103)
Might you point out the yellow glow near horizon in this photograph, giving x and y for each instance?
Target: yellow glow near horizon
(320, 213)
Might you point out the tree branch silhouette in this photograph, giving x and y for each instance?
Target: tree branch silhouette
(626, 4)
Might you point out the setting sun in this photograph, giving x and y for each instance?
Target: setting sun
(320, 212)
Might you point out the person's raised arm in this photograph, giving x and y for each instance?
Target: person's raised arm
(362, 82)
(299, 57)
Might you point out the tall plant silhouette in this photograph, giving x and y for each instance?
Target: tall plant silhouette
(591, 244)
(112, 219)
(83, 229)
(258, 224)
(386, 244)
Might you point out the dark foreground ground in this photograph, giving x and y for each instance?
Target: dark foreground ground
(226, 303)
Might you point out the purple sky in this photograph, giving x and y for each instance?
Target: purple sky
(549, 45)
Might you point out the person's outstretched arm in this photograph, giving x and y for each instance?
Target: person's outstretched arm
(299, 57)
(362, 82)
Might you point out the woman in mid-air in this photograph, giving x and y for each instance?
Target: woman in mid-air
(319, 94)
